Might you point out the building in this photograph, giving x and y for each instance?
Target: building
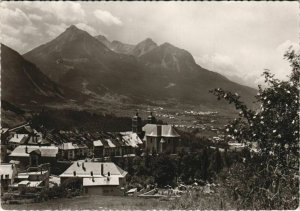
(151, 119)
(8, 173)
(137, 124)
(72, 151)
(67, 151)
(28, 185)
(98, 149)
(34, 155)
(160, 138)
(33, 177)
(117, 144)
(98, 178)
(17, 139)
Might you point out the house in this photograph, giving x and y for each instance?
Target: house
(116, 144)
(67, 151)
(71, 151)
(160, 138)
(8, 173)
(33, 177)
(98, 178)
(38, 139)
(98, 148)
(34, 155)
(132, 141)
(17, 139)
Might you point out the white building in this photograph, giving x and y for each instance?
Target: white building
(99, 178)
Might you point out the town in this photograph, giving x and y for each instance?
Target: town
(37, 160)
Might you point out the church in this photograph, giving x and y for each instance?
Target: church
(157, 138)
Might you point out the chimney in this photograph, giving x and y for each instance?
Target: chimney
(102, 169)
(108, 176)
(74, 173)
(92, 173)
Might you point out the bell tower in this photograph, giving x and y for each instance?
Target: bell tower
(137, 124)
(151, 119)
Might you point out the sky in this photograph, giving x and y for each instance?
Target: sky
(236, 39)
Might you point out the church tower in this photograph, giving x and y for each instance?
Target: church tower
(137, 124)
(151, 119)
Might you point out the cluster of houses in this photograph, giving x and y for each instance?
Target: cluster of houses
(29, 155)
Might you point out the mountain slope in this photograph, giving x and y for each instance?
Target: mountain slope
(22, 81)
(115, 45)
(152, 74)
(79, 61)
(72, 48)
(143, 47)
(120, 47)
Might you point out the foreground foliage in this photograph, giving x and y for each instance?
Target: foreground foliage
(268, 175)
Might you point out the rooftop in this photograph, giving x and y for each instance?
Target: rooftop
(46, 151)
(18, 138)
(166, 130)
(84, 169)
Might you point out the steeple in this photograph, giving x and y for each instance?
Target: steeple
(151, 119)
(137, 124)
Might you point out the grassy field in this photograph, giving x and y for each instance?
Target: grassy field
(193, 199)
(92, 203)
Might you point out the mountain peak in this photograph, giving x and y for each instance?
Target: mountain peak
(72, 27)
(74, 30)
(101, 37)
(148, 41)
(144, 47)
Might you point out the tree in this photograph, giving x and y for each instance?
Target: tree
(217, 161)
(204, 164)
(164, 170)
(268, 174)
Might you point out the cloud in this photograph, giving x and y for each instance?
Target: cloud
(219, 63)
(35, 17)
(64, 11)
(13, 16)
(229, 67)
(53, 29)
(87, 28)
(107, 18)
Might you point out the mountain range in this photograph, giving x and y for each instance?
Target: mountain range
(76, 62)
